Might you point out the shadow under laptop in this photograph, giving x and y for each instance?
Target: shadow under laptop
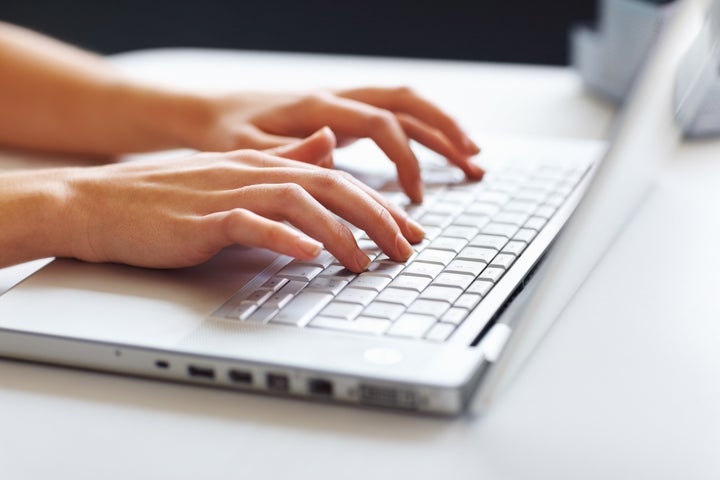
(109, 391)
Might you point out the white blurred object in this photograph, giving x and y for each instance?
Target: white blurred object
(697, 84)
(609, 56)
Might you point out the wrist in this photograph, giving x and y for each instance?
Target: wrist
(167, 118)
(33, 216)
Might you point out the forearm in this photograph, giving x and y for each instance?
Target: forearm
(58, 98)
(32, 207)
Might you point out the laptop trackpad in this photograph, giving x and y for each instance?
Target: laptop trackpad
(117, 303)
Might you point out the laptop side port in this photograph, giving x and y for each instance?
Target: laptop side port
(240, 376)
(206, 373)
(320, 387)
(387, 396)
(277, 382)
(163, 364)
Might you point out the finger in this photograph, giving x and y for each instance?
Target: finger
(333, 190)
(316, 149)
(250, 136)
(349, 118)
(435, 140)
(410, 229)
(240, 226)
(290, 202)
(405, 100)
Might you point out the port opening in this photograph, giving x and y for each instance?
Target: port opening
(320, 387)
(240, 376)
(277, 382)
(206, 373)
(164, 364)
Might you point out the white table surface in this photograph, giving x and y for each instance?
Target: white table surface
(626, 385)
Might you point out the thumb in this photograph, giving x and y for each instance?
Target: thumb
(316, 149)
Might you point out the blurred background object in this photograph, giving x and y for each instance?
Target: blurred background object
(520, 31)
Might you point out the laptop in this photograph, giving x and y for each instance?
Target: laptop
(446, 330)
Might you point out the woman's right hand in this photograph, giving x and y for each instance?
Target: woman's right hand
(181, 212)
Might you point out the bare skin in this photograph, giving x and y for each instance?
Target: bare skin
(180, 212)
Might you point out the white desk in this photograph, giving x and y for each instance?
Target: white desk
(627, 384)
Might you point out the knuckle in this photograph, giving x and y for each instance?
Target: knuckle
(382, 121)
(328, 179)
(291, 192)
(405, 91)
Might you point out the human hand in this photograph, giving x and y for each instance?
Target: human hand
(181, 212)
(390, 116)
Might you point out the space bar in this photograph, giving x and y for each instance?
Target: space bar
(301, 309)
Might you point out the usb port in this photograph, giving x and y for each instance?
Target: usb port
(277, 382)
(320, 387)
(201, 372)
(240, 376)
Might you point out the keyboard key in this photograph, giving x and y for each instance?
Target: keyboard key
(514, 247)
(324, 260)
(445, 208)
(488, 241)
(522, 206)
(388, 311)
(274, 284)
(467, 301)
(454, 315)
(398, 295)
(458, 280)
(467, 233)
(435, 220)
(481, 287)
(412, 282)
(477, 254)
(555, 200)
(480, 208)
(469, 267)
(439, 332)
(441, 293)
(448, 243)
(262, 315)
(245, 309)
(279, 300)
(371, 282)
(497, 198)
(357, 295)
(387, 269)
(300, 271)
(525, 235)
(374, 326)
(302, 308)
(331, 285)
(434, 308)
(535, 223)
(502, 229)
(491, 274)
(425, 269)
(463, 198)
(544, 211)
(411, 325)
(466, 220)
(260, 295)
(440, 257)
(338, 271)
(345, 311)
(502, 260)
(513, 218)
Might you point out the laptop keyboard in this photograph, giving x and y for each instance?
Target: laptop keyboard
(474, 234)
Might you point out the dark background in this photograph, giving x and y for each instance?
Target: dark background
(527, 31)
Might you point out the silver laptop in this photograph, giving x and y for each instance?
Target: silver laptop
(422, 336)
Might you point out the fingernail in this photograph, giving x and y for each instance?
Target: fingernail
(415, 229)
(403, 247)
(308, 246)
(476, 170)
(362, 260)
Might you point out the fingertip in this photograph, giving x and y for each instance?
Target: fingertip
(308, 247)
(474, 171)
(470, 146)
